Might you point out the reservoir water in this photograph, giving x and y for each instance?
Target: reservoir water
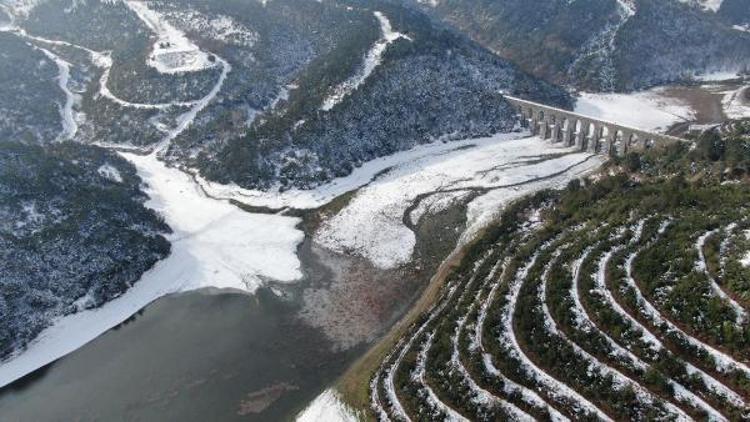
(205, 355)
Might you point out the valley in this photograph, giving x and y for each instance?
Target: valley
(346, 218)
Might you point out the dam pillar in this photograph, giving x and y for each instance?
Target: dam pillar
(527, 115)
(607, 145)
(623, 142)
(555, 132)
(638, 142)
(594, 138)
(581, 134)
(567, 134)
(609, 140)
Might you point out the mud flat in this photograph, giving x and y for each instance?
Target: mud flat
(707, 100)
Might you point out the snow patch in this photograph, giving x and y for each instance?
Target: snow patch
(68, 115)
(371, 61)
(220, 27)
(745, 261)
(718, 76)
(172, 51)
(702, 267)
(372, 225)
(646, 110)
(20, 8)
(106, 170)
(707, 5)
(361, 176)
(737, 104)
(327, 407)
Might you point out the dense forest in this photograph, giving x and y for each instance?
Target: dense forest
(74, 234)
(607, 45)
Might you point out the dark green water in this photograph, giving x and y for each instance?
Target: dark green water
(197, 356)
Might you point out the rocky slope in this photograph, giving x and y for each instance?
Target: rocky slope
(606, 45)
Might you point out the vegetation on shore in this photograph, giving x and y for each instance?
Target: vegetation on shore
(605, 288)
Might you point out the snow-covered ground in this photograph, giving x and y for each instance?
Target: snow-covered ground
(736, 103)
(718, 76)
(723, 362)
(361, 176)
(172, 51)
(327, 407)
(234, 248)
(104, 61)
(647, 110)
(702, 266)
(707, 5)
(186, 119)
(372, 224)
(68, 115)
(479, 395)
(220, 27)
(371, 61)
(110, 172)
(509, 341)
(214, 244)
(619, 379)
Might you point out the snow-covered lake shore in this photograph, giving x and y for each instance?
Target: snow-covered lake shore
(214, 244)
(497, 169)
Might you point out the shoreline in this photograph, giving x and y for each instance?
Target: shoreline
(204, 255)
(73, 331)
(353, 387)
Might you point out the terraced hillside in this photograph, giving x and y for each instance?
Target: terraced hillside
(622, 297)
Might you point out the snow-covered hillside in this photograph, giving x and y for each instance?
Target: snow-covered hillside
(372, 59)
(75, 234)
(606, 45)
